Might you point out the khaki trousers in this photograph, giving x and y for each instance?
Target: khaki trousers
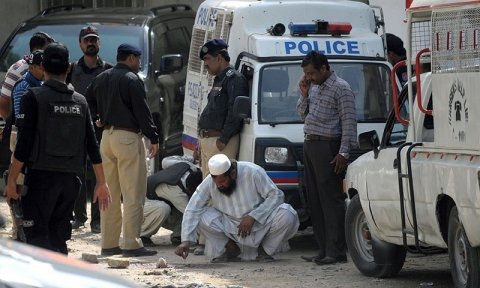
(124, 163)
(209, 148)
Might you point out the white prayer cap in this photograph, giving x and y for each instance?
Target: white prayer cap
(219, 164)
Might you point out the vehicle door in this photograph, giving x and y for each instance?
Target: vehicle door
(382, 177)
(170, 37)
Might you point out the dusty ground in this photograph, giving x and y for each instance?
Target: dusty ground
(287, 271)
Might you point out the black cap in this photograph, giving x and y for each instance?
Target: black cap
(55, 54)
(395, 45)
(88, 31)
(35, 58)
(212, 46)
(128, 49)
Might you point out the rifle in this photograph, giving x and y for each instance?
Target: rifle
(16, 209)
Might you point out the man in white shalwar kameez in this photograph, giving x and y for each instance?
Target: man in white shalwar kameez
(247, 218)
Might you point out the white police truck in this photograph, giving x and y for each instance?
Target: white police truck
(267, 41)
(419, 189)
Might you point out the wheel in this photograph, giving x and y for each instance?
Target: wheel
(361, 247)
(464, 259)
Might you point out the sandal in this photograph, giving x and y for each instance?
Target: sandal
(225, 258)
(263, 256)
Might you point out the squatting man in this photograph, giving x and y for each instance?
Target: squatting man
(247, 218)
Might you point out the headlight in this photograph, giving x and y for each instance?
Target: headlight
(276, 155)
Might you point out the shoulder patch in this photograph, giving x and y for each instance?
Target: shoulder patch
(230, 73)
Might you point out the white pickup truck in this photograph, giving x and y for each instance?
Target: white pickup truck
(418, 189)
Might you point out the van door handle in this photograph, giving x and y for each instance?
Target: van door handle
(395, 163)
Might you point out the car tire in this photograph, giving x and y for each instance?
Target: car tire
(360, 245)
(464, 259)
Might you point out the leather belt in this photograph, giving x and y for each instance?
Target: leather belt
(106, 127)
(313, 137)
(205, 133)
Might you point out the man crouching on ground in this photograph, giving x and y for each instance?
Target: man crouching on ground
(247, 218)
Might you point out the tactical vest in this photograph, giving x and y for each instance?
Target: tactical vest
(60, 135)
(170, 176)
(80, 79)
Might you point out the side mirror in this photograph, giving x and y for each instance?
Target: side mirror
(369, 141)
(169, 64)
(241, 107)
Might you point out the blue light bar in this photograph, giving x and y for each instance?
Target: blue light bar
(320, 27)
(302, 28)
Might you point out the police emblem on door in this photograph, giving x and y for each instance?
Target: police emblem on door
(458, 111)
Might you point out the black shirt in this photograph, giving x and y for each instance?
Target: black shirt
(82, 75)
(218, 114)
(26, 131)
(117, 97)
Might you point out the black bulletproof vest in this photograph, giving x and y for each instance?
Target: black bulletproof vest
(171, 176)
(59, 143)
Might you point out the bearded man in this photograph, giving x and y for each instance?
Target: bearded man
(81, 75)
(246, 218)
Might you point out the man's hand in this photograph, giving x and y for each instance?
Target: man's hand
(182, 249)
(102, 195)
(99, 123)
(340, 163)
(220, 145)
(304, 85)
(152, 150)
(5, 106)
(11, 191)
(245, 226)
(197, 154)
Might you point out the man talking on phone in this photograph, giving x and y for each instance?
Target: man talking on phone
(327, 106)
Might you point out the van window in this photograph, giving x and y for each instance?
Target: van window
(279, 93)
(370, 83)
(111, 36)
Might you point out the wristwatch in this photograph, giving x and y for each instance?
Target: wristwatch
(345, 155)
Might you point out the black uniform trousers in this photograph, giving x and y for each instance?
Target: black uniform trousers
(47, 208)
(325, 198)
(87, 190)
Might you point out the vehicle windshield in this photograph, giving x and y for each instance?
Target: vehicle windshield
(110, 37)
(279, 91)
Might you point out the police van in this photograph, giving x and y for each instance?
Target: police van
(267, 41)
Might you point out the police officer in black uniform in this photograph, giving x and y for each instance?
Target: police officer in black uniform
(218, 127)
(55, 135)
(82, 73)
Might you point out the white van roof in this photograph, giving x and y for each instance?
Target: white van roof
(251, 19)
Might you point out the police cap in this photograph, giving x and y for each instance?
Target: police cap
(212, 46)
(128, 49)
